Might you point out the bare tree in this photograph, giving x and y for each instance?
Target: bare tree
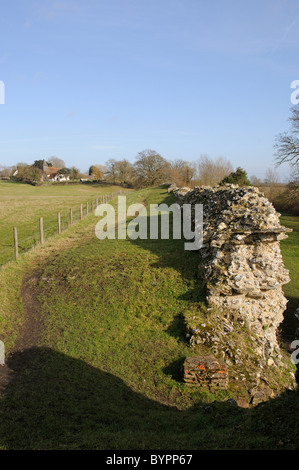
(293, 185)
(182, 172)
(111, 166)
(124, 171)
(5, 171)
(287, 144)
(271, 177)
(254, 180)
(56, 162)
(150, 168)
(211, 172)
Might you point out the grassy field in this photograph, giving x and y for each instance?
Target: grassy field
(290, 252)
(21, 206)
(102, 366)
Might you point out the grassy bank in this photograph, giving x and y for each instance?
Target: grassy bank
(21, 206)
(290, 253)
(104, 371)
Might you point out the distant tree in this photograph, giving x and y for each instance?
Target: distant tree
(188, 172)
(21, 165)
(293, 185)
(288, 200)
(182, 172)
(5, 171)
(150, 168)
(95, 171)
(237, 177)
(64, 171)
(124, 171)
(211, 172)
(254, 180)
(28, 173)
(56, 162)
(74, 173)
(36, 174)
(111, 166)
(271, 177)
(38, 164)
(287, 143)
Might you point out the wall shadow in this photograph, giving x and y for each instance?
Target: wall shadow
(290, 323)
(56, 402)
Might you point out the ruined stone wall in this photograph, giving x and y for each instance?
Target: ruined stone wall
(241, 261)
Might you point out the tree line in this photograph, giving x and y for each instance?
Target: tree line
(33, 174)
(287, 151)
(151, 168)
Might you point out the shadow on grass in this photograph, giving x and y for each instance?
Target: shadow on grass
(57, 402)
(176, 369)
(177, 328)
(290, 323)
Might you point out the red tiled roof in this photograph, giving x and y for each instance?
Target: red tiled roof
(52, 176)
(51, 170)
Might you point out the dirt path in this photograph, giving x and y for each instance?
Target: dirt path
(29, 332)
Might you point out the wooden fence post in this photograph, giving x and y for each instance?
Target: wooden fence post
(41, 230)
(81, 211)
(59, 223)
(87, 208)
(15, 237)
(71, 216)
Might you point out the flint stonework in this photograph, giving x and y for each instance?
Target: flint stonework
(241, 260)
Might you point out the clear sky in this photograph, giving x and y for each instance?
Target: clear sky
(91, 80)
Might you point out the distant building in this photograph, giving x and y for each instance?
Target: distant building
(85, 178)
(51, 174)
(56, 176)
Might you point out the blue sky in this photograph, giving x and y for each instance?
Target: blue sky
(91, 80)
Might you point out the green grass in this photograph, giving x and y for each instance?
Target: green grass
(21, 206)
(106, 372)
(122, 299)
(290, 253)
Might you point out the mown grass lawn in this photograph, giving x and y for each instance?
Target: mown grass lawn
(21, 206)
(106, 372)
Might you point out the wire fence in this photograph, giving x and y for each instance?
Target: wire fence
(23, 239)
